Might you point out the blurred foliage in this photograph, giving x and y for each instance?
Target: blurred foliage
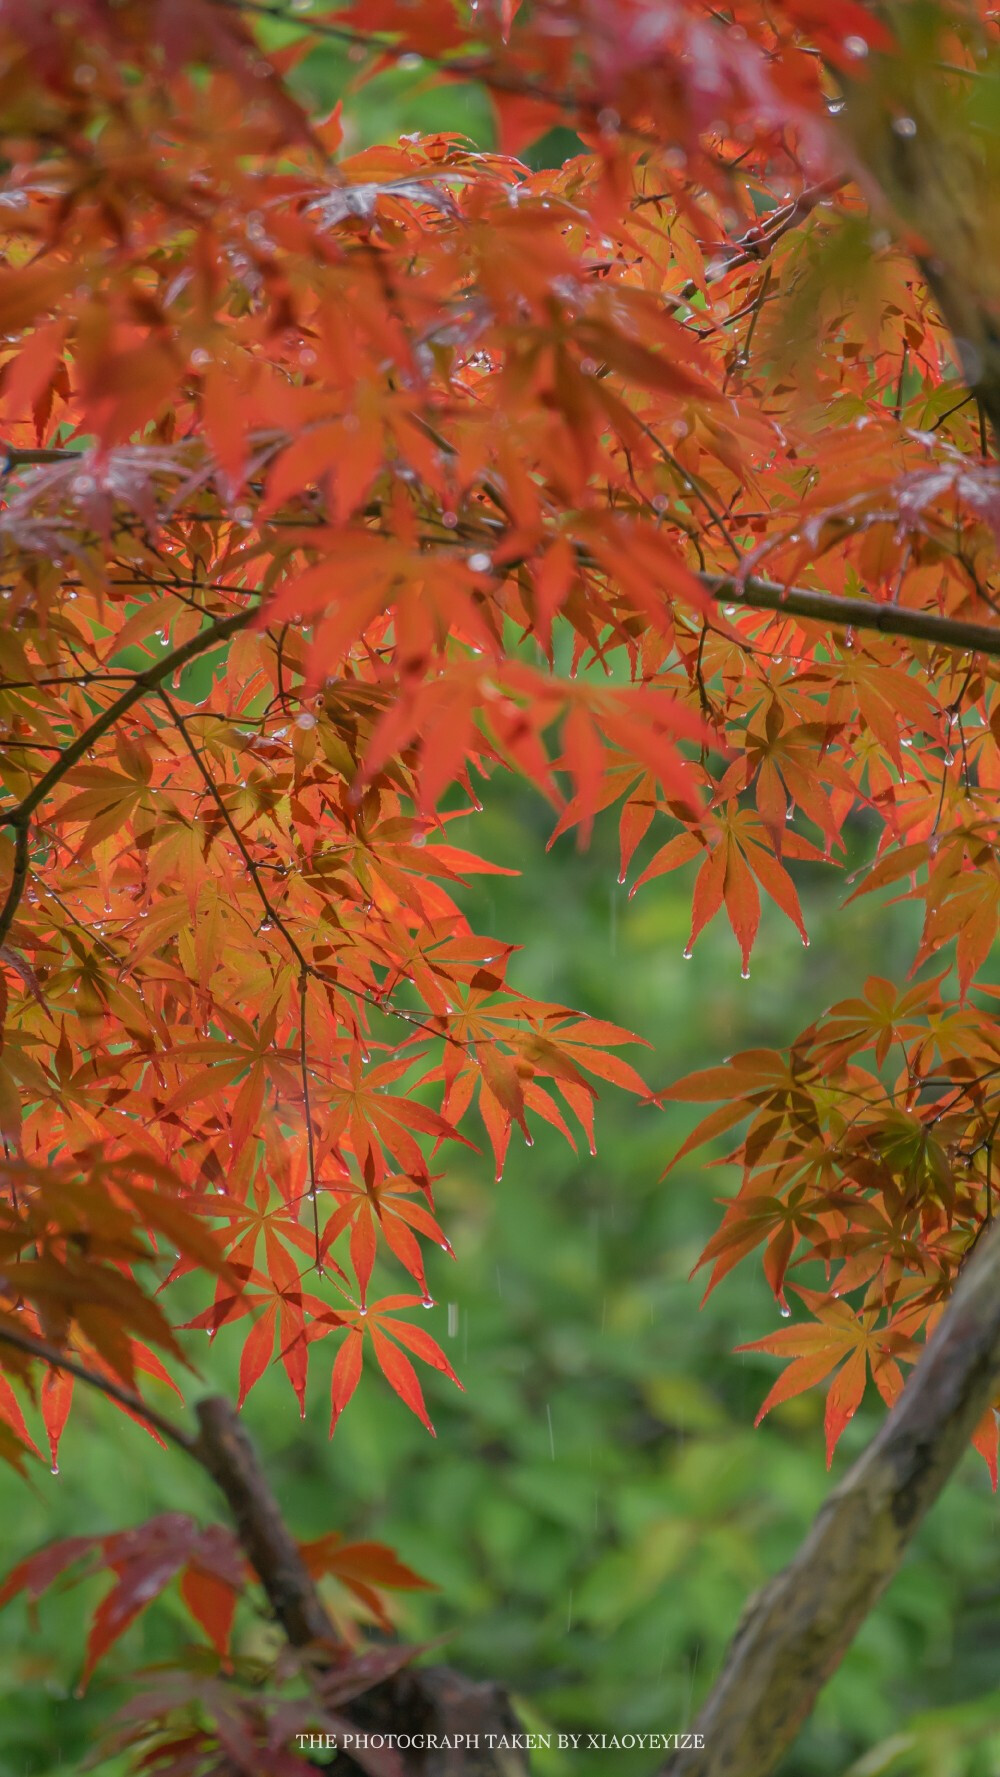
(597, 1506)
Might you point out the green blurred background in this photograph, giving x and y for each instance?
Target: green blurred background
(597, 1506)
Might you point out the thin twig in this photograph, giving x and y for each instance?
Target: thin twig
(20, 817)
(265, 900)
(116, 1391)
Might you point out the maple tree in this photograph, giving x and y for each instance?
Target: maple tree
(337, 483)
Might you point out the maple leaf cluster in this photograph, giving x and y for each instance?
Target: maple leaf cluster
(337, 483)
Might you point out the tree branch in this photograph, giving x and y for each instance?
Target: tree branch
(224, 1450)
(851, 613)
(148, 680)
(15, 458)
(126, 1397)
(433, 1700)
(795, 1632)
(20, 817)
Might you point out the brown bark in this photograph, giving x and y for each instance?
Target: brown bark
(224, 1449)
(437, 1700)
(835, 612)
(417, 1700)
(795, 1632)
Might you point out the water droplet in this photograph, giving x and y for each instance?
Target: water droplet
(362, 1311)
(784, 1311)
(305, 719)
(449, 520)
(745, 972)
(54, 1470)
(529, 1141)
(480, 562)
(905, 127)
(856, 47)
(805, 941)
(428, 1302)
(687, 954)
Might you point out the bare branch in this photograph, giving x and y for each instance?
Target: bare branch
(850, 613)
(223, 1448)
(116, 1391)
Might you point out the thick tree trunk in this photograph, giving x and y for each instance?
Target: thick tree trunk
(795, 1632)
